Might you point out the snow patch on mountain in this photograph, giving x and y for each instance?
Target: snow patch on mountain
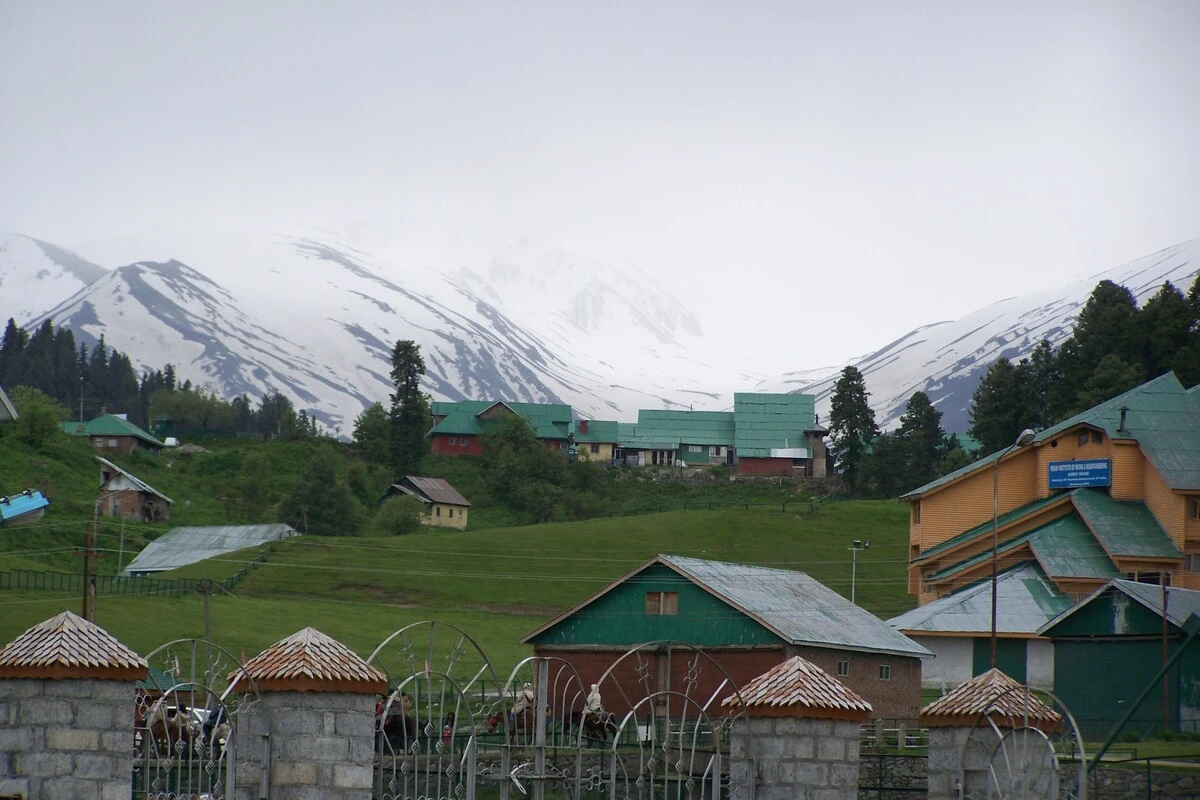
(37, 275)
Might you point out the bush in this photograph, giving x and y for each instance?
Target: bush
(398, 516)
(38, 416)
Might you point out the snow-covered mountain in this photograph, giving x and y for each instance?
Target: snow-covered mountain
(35, 276)
(947, 359)
(316, 319)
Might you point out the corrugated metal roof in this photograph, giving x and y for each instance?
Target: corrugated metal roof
(309, 658)
(1181, 603)
(109, 425)
(796, 607)
(598, 431)
(187, 545)
(797, 683)
(1026, 598)
(985, 528)
(659, 429)
(21, 505)
(135, 480)
(1123, 528)
(8, 412)
(67, 646)
(548, 420)
(992, 693)
(1067, 549)
(435, 490)
(1162, 416)
(764, 422)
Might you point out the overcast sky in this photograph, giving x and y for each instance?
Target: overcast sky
(866, 166)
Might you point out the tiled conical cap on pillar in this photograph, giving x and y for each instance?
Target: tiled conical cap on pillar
(310, 661)
(68, 646)
(998, 696)
(799, 688)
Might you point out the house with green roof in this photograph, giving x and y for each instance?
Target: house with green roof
(458, 426)
(778, 434)
(1112, 492)
(113, 433)
(667, 437)
(596, 440)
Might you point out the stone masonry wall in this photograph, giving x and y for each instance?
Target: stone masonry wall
(66, 739)
(322, 746)
(815, 759)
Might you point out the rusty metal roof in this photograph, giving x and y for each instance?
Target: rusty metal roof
(801, 687)
(992, 693)
(68, 646)
(309, 660)
(431, 490)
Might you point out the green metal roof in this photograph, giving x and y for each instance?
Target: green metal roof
(1064, 547)
(764, 422)
(986, 527)
(667, 430)
(1161, 416)
(109, 425)
(1123, 528)
(1181, 603)
(548, 420)
(598, 430)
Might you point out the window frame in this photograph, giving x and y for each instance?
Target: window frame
(662, 604)
(885, 672)
(843, 669)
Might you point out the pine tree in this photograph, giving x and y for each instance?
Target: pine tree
(1040, 382)
(997, 410)
(371, 435)
(851, 423)
(1111, 377)
(1166, 322)
(11, 350)
(409, 414)
(1107, 325)
(320, 503)
(922, 439)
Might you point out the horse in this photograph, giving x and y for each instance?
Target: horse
(598, 726)
(168, 724)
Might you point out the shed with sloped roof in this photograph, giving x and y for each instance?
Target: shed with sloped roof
(123, 494)
(749, 618)
(112, 433)
(445, 507)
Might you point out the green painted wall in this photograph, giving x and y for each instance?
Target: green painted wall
(620, 618)
(1112, 614)
(1011, 657)
(1098, 679)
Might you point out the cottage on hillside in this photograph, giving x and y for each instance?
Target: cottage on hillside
(125, 495)
(457, 427)
(444, 506)
(113, 433)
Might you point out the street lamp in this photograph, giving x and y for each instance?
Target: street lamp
(1024, 438)
(855, 546)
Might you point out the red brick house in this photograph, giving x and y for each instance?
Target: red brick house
(125, 495)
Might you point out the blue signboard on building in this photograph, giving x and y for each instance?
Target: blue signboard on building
(1074, 474)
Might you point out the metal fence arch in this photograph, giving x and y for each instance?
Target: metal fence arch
(186, 721)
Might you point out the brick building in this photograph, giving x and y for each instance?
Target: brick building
(747, 618)
(123, 494)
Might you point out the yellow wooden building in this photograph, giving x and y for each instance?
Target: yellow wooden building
(445, 507)
(1113, 492)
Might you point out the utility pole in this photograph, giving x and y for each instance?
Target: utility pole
(89, 554)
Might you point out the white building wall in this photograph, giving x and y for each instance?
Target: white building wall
(1039, 664)
(951, 664)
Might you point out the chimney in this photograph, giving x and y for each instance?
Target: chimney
(583, 426)
(1124, 411)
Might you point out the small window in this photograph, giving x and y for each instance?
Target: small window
(693, 448)
(453, 440)
(1154, 578)
(843, 669)
(716, 451)
(1083, 438)
(885, 672)
(1194, 508)
(437, 511)
(916, 512)
(1097, 437)
(662, 603)
(460, 513)
(462, 441)
(1192, 562)
(112, 442)
(595, 448)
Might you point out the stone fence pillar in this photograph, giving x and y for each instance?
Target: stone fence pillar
(799, 737)
(317, 710)
(67, 695)
(962, 742)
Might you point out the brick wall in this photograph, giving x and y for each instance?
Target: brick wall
(898, 697)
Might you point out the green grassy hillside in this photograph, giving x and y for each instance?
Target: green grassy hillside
(498, 584)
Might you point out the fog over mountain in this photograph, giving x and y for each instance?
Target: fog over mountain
(316, 317)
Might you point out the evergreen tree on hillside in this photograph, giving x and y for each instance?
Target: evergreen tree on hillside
(997, 407)
(409, 416)
(372, 436)
(1045, 396)
(923, 441)
(11, 349)
(1111, 377)
(1166, 322)
(881, 472)
(851, 423)
(320, 503)
(1107, 325)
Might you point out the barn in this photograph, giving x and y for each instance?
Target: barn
(747, 618)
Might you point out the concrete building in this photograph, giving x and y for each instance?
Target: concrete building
(110, 433)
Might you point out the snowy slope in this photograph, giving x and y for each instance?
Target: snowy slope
(36, 276)
(947, 359)
(316, 319)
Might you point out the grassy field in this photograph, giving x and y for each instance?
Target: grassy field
(496, 584)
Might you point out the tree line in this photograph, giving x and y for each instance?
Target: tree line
(66, 379)
(1114, 347)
